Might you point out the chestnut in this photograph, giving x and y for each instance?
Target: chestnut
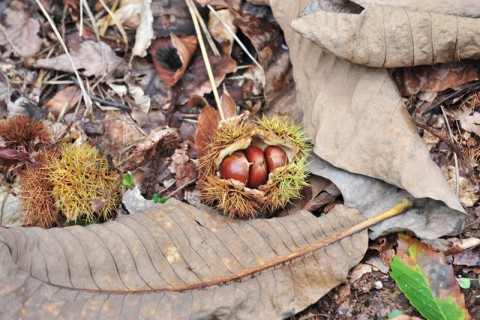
(235, 166)
(258, 167)
(275, 157)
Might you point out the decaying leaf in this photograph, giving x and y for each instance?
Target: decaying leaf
(434, 78)
(268, 40)
(427, 280)
(169, 262)
(357, 120)
(208, 121)
(387, 36)
(64, 100)
(195, 80)
(463, 8)
(141, 99)
(469, 120)
(319, 193)
(144, 34)
(129, 13)
(143, 147)
(468, 258)
(185, 171)
(19, 33)
(88, 60)
(172, 55)
(11, 213)
(10, 157)
(229, 106)
(219, 32)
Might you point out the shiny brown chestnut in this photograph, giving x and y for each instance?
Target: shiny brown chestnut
(235, 166)
(275, 157)
(258, 167)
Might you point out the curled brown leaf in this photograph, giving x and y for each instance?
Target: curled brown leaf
(407, 38)
(208, 121)
(172, 55)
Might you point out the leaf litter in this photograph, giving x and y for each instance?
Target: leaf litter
(364, 145)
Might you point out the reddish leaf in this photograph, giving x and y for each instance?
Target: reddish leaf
(435, 78)
(228, 105)
(172, 55)
(320, 193)
(64, 100)
(469, 258)
(438, 273)
(10, 157)
(208, 121)
(196, 81)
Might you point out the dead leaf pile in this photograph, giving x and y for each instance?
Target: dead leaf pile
(321, 61)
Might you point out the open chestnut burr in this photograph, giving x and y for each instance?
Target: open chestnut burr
(250, 168)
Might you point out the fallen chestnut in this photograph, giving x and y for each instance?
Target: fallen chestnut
(275, 157)
(235, 166)
(258, 167)
(232, 174)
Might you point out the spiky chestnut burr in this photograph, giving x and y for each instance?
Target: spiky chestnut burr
(68, 183)
(35, 192)
(84, 184)
(241, 199)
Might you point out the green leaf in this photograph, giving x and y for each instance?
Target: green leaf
(395, 313)
(128, 180)
(414, 284)
(464, 283)
(157, 199)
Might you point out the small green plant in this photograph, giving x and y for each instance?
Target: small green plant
(395, 313)
(127, 180)
(465, 283)
(157, 199)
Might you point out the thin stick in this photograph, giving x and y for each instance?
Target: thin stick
(116, 22)
(205, 58)
(109, 17)
(97, 35)
(80, 31)
(237, 39)
(455, 158)
(181, 187)
(207, 33)
(86, 98)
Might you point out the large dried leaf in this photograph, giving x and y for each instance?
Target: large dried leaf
(18, 31)
(387, 36)
(463, 8)
(356, 117)
(434, 78)
(428, 219)
(146, 264)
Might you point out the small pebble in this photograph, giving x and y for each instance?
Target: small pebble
(378, 285)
